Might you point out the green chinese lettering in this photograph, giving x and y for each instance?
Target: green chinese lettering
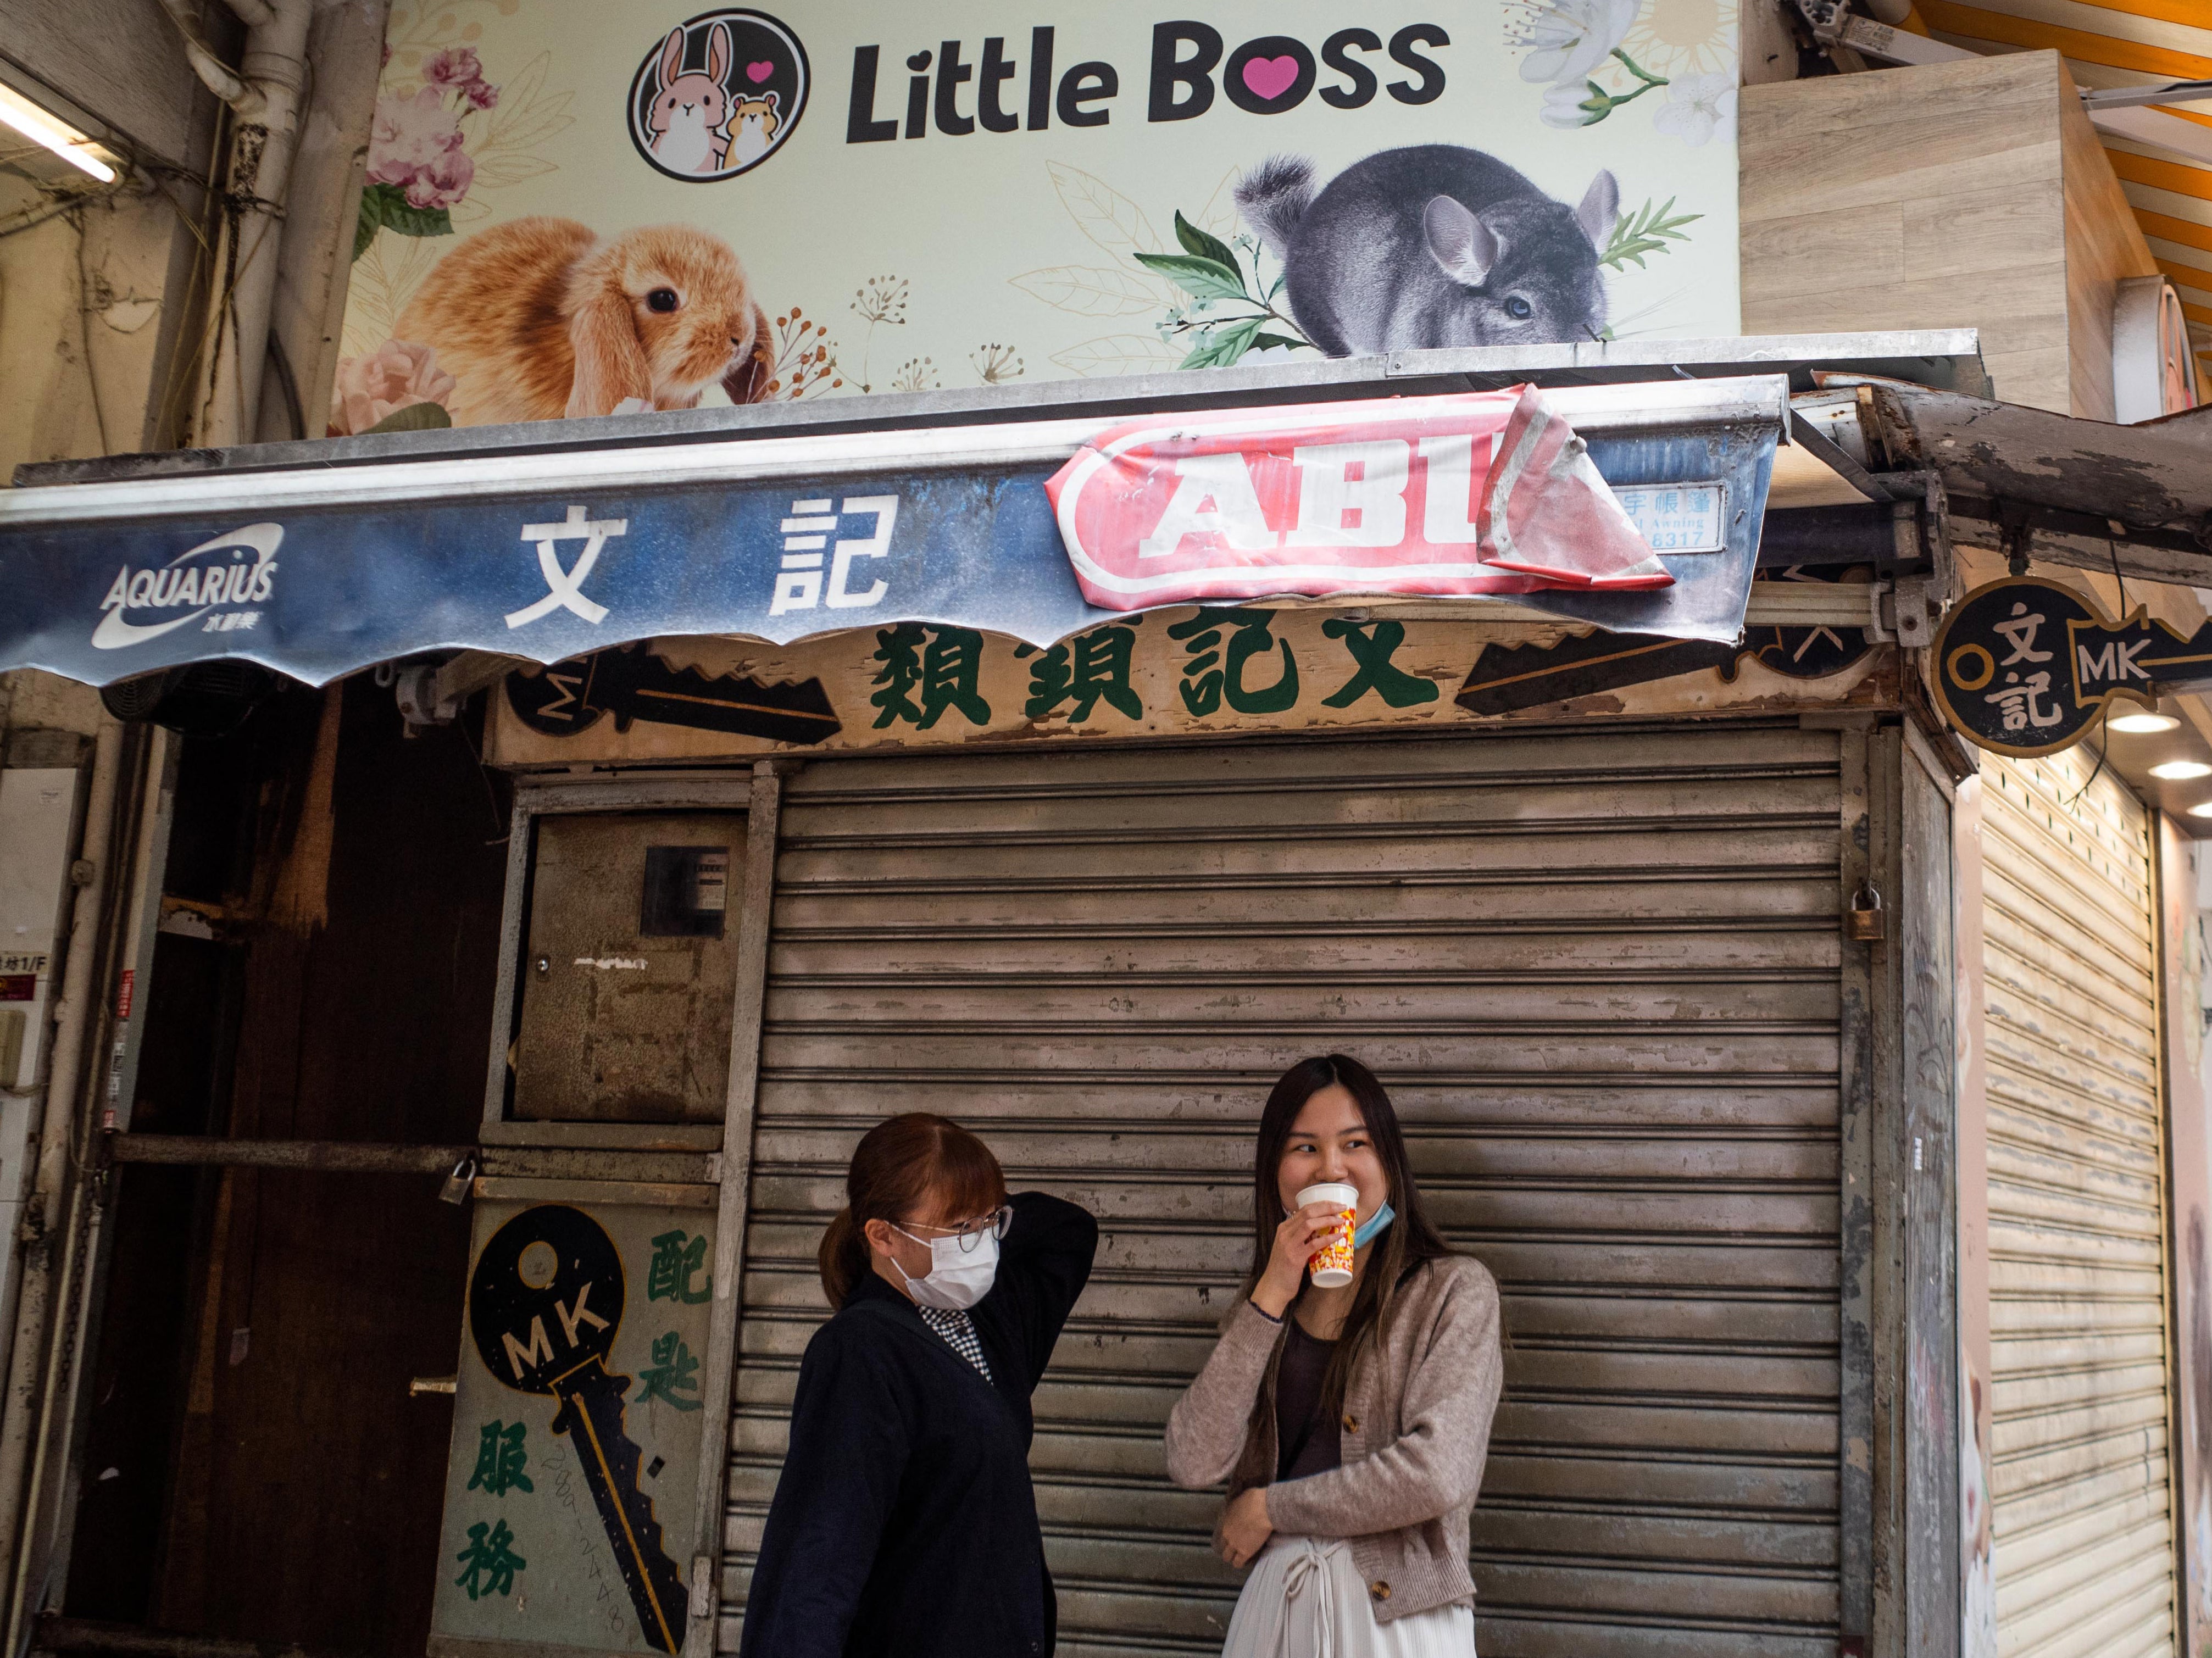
(489, 1562)
(1212, 672)
(1083, 672)
(673, 1371)
(678, 1258)
(1371, 648)
(925, 670)
(500, 1459)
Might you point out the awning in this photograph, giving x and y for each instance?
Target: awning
(545, 541)
(317, 573)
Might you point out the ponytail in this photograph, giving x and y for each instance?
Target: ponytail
(843, 1256)
(902, 1165)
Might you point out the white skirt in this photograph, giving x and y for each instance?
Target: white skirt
(1305, 1600)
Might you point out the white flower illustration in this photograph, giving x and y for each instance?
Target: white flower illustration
(1563, 106)
(1698, 107)
(1567, 39)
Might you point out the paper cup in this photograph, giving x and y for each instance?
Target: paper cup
(1331, 1265)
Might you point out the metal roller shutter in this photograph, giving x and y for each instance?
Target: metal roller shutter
(2083, 1535)
(1600, 975)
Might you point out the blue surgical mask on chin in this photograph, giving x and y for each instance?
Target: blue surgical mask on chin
(1371, 1228)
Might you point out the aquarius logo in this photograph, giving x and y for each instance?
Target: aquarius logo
(210, 587)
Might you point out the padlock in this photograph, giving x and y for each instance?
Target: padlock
(1862, 921)
(457, 1185)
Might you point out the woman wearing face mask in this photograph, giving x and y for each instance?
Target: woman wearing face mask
(903, 1522)
(1350, 1423)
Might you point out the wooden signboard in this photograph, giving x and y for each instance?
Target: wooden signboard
(1187, 671)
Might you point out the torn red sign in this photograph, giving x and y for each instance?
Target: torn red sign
(1484, 492)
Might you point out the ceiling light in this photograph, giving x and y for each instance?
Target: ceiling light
(2134, 723)
(40, 128)
(2181, 771)
(2201, 809)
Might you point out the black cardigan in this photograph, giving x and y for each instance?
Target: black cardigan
(904, 1523)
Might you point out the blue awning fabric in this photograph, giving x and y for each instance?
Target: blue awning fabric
(317, 573)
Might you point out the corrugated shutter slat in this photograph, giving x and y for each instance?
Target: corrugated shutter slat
(1600, 973)
(2083, 1529)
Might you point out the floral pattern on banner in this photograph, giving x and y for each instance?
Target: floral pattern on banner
(444, 132)
(1570, 43)
(1190, 282)
(418, 170)
(371, 390)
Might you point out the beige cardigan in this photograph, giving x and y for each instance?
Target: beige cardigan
(1416, 1431)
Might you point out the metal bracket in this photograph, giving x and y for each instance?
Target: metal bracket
(433, 694)
(1882, 614)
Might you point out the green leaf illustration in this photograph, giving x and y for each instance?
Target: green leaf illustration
(1205, 245)
(383, 205)
(1225, 345)
(1263, 341)
(415, 418)
(1200, 277)
(1646, 230)
(369, 220)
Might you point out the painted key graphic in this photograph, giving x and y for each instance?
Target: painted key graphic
(544, 1302)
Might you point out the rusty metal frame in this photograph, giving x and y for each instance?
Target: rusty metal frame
(534, 798)
(717, 1391)
(1856, 1087)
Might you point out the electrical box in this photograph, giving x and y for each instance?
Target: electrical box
(626, 978)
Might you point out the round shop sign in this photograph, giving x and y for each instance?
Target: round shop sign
(717, 95)
(2004, 673)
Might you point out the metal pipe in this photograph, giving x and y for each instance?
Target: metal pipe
(350, 1156)
(260, 173)
(20, 1411)
(215, 74)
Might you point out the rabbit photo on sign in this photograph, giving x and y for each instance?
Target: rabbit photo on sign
(539, 319)
(1434, 245)
(690, 112)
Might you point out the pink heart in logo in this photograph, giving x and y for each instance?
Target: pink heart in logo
(759, 72)
(1271, 77)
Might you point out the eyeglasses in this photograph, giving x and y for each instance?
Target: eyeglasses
(972, 1233)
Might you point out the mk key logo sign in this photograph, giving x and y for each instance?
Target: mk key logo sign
(2023, 665)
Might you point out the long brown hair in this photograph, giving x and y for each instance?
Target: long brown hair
(1405, 1244)
(899, 1165)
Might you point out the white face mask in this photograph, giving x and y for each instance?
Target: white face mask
(959, 1277)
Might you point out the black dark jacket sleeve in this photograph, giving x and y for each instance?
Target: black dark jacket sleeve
(850, 1439)
(1044, 1264)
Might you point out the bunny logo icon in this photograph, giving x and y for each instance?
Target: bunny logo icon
(717, 95)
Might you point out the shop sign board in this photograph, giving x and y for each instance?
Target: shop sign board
(577, 1408)
(574, 208)
(1185, 670)
(315, 576)
(2023, 667)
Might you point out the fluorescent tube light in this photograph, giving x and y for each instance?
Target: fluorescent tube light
(40, 128)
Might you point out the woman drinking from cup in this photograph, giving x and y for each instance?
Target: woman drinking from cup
(1348, 1410)
(903, 1522)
